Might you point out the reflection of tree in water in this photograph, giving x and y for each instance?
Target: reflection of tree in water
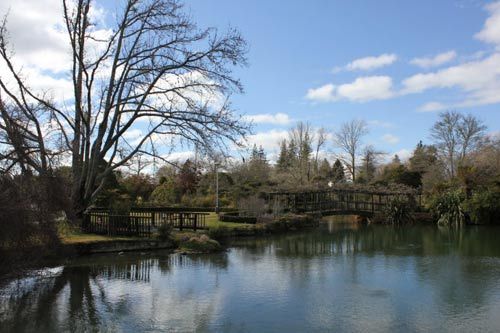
(459, 268)
(33, 307)
(456, 263)
(369, 240)
(75, 298)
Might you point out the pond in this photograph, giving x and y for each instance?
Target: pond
(340, 277)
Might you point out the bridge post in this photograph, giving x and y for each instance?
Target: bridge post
(373, 207)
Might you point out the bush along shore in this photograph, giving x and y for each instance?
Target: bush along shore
(288, 222)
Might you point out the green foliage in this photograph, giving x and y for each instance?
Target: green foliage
(484, 207)
(399, 211)
(338, 175)
(448, 207)
(201, 244)
(399, 174)
(424, 157)
(119, 203)
(164, 231)
(138, 187)
(324, 173)
(283, 162)
(164, 194)
(187, 178)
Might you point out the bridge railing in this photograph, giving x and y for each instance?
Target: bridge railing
(333, 200)
(141, 223)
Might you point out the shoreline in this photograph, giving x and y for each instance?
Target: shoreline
(182, 242)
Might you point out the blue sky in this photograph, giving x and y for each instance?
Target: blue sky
(395, 64)
(297, 47)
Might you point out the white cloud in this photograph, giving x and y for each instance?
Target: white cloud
(495, 135)
(180, 156)
(379, 123)
(267, 118)
(391, 139)
(441, 58)
(432, 106)
(371, 63)
(39, 40)
(362, 89)
(491, 30)
(133, 136)
(324, 93)
(36, 32)
(269, 140)
(480, 80)
(404, 154)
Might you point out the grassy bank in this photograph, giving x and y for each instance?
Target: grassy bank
(193, 241)
(83, 238)
(289, 222)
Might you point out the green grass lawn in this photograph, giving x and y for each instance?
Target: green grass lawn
(213, 222)
(83, 238)
(71, 236)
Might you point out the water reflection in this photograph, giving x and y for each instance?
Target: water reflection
(342, 277)
(89, 293)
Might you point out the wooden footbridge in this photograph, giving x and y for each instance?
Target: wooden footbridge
(143, 221)
(336, 201)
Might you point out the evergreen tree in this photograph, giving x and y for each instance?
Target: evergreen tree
(292, 152)
(305, 151)
(262, 154)
(324, 172)
(283, 162)
(254, 155)
(187, 178)
(338, 175)
(423, 158)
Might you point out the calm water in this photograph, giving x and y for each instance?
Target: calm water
(342, 278)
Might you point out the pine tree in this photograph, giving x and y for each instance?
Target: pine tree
(423, 158)
(292, 152)
(338, 175)
(325, 171)
(254, 155)
(187, 178)
(283, 162)
(262, 155)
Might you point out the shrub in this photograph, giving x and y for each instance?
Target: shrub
(201, 244)
(399, 211)
(448, 208)
(484, 207)
(164, 231)
(252, 206)
(236, 218)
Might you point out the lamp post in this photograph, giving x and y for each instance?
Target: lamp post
(216, 188)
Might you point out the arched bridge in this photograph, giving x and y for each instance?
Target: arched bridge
(336, 201)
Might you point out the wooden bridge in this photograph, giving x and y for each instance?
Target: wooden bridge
(142, 221)
(336, 201)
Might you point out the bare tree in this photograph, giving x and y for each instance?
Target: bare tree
(456, 135)
(371, 158)
(139, 163)
(349, 139)
(471, 132)
(445, 135)
(302, 136)
(155, 67)
(321, 137)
